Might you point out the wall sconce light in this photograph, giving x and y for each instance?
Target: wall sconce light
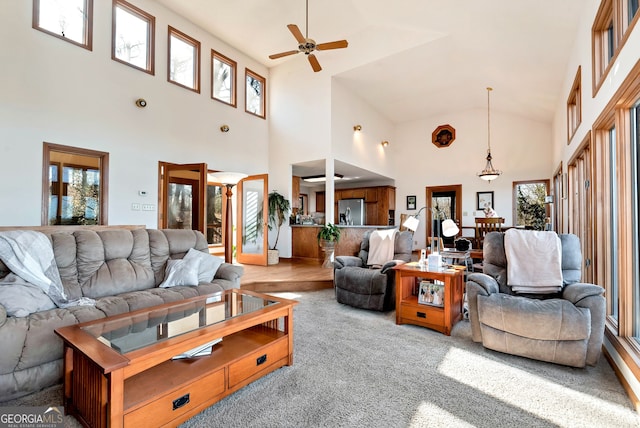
(385, 143)
(141, 102)
(357, 128)
(224, 128)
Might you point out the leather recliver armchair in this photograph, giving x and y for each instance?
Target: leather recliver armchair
(564, 328)
(358, 285)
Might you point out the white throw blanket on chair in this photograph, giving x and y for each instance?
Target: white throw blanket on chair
(534, 261)
(381, 246)
(29, 255)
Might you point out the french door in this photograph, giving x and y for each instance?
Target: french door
(251, 224)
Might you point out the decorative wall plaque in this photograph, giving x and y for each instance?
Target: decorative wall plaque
(443, 136)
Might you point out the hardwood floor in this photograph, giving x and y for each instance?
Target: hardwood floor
(288, 275)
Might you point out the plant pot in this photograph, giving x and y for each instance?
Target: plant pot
(273, 257)
(327, 248)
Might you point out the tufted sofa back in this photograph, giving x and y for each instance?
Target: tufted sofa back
(99, 263)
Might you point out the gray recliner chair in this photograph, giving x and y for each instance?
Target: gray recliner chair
(564, 328)
(358, 285)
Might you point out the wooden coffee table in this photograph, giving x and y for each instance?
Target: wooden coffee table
(119, 371)
(409, 311)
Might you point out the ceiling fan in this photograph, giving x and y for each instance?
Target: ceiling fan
(307, 45)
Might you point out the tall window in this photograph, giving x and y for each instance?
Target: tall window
(529, 204)
(614, 289)
(255, 94)
(223, 78)
(574, 106)
(133, 36)
(74, 186)
(69, 20)
(603, 41)
(184, 60)
(630, 11)
(635, 193)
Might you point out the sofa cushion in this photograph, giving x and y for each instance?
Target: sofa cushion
(64, 251)
(552, 319)
(21, 298)
(111, 262)
(208, 264)
(181, 272)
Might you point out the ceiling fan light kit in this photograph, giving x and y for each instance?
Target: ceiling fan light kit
(307, 45)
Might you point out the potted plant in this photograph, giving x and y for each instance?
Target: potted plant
(330, 234)
(279, 207)
(328, 237)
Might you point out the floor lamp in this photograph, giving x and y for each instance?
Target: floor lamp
(228, 179)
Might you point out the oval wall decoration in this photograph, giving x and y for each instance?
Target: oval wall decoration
(443, 136)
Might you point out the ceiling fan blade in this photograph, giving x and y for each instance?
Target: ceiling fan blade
(296, 33)
(314, 63)
(338, 44)
(281, 54)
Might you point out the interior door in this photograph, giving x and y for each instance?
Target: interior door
(182, 196)
(447, 202)
(251, 225)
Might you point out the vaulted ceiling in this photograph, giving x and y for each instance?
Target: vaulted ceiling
(411, 59)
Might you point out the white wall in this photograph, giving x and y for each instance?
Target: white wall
(520, 147)
(57, 92)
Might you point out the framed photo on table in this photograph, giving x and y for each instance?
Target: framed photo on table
(411, 202)
(484, 199)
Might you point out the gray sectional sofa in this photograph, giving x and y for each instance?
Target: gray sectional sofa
(121, 270)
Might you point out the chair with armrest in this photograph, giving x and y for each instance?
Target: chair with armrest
(370, 287)
(564, 327)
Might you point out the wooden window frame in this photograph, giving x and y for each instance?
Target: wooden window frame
(47, 148)
(574, 106)
(514, 196)
(151, 31)
(234, 78)
(263, 99)
(173, 32)
(617, 113)
(559, 195)
(88, 25)
(602, 57)
(610, 13)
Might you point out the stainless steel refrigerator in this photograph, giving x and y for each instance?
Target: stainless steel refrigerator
(351, 212)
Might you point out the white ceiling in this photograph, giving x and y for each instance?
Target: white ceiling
(411, 59)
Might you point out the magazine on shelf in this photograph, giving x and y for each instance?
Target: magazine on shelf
(200, 351)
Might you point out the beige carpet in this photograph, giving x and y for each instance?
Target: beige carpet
(355, 368)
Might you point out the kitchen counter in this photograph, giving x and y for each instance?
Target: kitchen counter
(304, 240)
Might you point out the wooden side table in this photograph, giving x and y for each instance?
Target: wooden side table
(439, 318)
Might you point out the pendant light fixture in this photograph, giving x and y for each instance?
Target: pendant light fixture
(489, 172)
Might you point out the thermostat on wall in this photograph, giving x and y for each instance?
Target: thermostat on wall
(142, 192)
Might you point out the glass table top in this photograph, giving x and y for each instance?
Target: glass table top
(126, 334)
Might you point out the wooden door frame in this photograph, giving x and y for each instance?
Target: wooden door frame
(201, 194)
(252, 259)
(430, 190)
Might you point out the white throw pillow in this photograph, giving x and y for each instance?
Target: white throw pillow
(208, 264)
(181, 272)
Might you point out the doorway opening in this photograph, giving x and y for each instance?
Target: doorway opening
(443, 202)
